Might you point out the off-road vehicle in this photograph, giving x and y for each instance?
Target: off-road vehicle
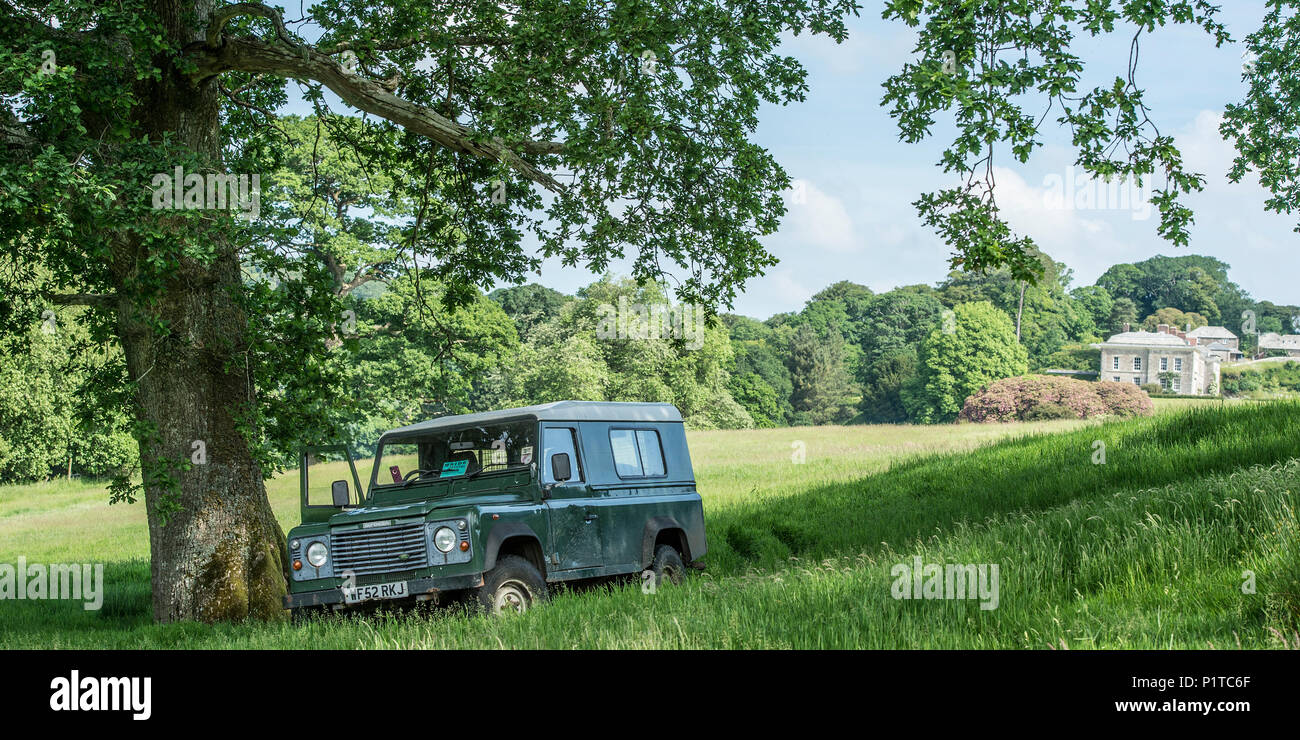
(496, 505)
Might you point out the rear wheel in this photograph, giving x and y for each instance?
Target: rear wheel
(513, 587)
(668, 566)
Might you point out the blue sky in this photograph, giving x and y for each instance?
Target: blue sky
(856, 221)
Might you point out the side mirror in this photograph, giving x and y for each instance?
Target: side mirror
(560, 470)
(339, 492)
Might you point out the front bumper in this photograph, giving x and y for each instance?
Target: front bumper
(417, 586)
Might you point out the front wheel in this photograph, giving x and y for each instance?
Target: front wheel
(513, 587)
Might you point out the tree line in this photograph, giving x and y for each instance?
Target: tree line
(913, 354)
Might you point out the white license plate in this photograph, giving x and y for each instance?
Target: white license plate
(358, 594)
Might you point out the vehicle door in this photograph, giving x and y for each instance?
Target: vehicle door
(574, 521)
(321, 489)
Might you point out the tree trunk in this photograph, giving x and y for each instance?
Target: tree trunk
(216, 549)
(1020, 310)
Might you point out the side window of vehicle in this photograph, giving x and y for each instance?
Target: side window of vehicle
(627, 462)
(555, 441)
(637, 453)
(652, 455)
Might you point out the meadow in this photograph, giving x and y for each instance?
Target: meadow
(1136, 533)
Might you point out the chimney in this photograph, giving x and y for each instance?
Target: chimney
(1126, 326)
(1162, 328)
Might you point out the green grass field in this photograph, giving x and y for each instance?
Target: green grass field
(1148, 549)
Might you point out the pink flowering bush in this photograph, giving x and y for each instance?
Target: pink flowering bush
(1038, 397)
(1124, 399)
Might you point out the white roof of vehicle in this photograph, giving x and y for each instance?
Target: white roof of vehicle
(556, 411)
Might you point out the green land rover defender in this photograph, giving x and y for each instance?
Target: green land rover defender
(498, 505)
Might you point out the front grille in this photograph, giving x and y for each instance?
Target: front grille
(390, 549)
(401, 575)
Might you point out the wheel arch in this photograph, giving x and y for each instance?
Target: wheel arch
(663, 530)
(514, 538)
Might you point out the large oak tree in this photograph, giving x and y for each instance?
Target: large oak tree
(599, 128)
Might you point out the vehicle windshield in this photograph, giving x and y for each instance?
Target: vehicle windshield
(452, 453)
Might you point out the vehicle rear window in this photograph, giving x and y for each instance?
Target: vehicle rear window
(652, 457)
(637, 453)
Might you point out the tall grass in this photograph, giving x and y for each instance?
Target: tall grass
(934, 494)
(1149, 549)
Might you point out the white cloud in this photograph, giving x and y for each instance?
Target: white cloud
(869, 44)
(817, 219)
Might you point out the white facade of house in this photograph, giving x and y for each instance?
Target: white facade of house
(1160, 358)
(1289, 343)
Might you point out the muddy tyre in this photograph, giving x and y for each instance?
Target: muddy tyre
(668, 566)
(513, 586)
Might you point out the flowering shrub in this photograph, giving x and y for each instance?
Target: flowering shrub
(1037, 397)
(1124, 399)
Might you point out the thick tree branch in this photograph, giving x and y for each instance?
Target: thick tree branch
(305, 63)
(222, 15)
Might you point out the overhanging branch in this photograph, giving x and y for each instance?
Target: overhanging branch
(222, 15)
(303, 62)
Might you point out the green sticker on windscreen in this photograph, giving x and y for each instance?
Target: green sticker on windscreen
(454, 467)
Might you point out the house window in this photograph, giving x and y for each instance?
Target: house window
(1164, 364)
(1117, 378)
(1178, 384)
(1137, 381)
(1114, 362)
(1137, 363)
(1178, 364)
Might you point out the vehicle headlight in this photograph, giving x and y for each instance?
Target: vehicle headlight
(317, 553)
(444, 539)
